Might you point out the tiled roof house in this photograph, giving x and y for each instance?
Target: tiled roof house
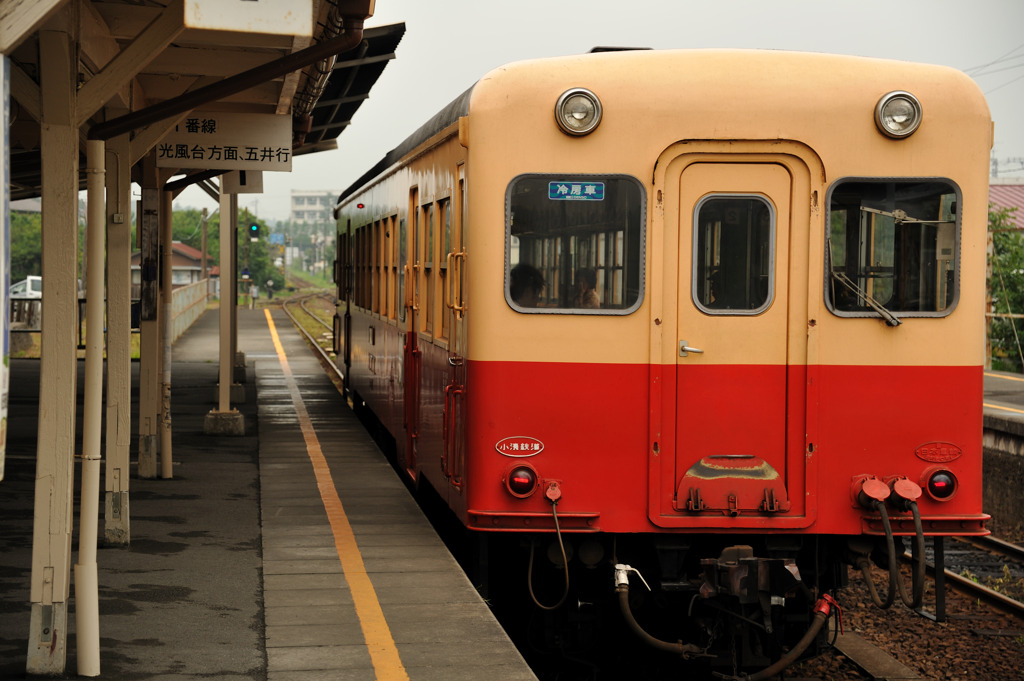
(1008, 193)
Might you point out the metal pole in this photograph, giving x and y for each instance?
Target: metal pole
(939, 557)
(87, 614)
(167, 293)
(227, 273)
(205, 271)
(233, 240)
(149, 361)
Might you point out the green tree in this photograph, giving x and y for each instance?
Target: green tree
(1007, 288)
(188, 228)
(255, 254)
(26, 245)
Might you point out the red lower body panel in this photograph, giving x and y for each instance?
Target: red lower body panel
(608, 440)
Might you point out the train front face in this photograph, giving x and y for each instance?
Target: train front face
(737, 311)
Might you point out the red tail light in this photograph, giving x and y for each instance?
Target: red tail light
(941, 485)
(521, 481)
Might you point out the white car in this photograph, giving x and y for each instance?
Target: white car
(26, 289)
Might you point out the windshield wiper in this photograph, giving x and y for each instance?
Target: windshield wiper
(900, 217)
(889, 317)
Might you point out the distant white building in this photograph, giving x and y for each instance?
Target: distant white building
(312, 207)
(312, 210)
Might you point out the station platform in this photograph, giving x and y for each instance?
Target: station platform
(292, 553)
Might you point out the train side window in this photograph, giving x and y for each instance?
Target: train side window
(892, 248)
(733, 268)
(389, 265)
(444, 207)
(399, 267)
(428, 268)
(575, 244)
(371, 256)
(378, 264)
(357, 293)
(343, 265)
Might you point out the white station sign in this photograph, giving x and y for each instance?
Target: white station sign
(278, 17)
(228, 141)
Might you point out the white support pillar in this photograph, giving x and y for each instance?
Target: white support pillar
(87, 599)
(58, 375)
(233, 335)
(224, 420)
(117, 526)
(228, 219)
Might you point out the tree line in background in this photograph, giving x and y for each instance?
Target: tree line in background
(254, 256)
(1006, 284)
(26, 244)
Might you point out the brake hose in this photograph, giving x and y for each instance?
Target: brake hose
(822, 609)
(553, 493)
(685, 650)
(917, 552)
(865, 566)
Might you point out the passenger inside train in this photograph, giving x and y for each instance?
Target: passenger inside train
(586, 289)
(526, 284)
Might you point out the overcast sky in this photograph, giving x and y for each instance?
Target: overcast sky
(450, 44)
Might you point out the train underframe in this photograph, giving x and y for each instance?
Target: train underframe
(599, 605)
(732, 604)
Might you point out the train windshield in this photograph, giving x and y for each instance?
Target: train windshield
(892, 249)
(574, 244)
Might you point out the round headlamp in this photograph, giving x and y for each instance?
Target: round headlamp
(898, 114)
(578, 111)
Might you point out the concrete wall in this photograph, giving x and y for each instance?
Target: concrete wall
(1003, 471)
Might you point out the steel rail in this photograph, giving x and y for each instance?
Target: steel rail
(302, 304)
(975, 590)
(994, 545)
(336, 376)
(971, 588)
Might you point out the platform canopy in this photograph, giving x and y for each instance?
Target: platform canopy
(149, 51)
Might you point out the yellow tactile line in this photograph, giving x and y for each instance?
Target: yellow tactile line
(988, 405)
(386, 663)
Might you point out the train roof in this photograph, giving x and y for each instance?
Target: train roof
(697, 58)
(442, 119)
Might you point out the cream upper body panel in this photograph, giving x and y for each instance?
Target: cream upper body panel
(656, 101)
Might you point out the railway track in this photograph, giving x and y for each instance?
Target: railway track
(318, 332)
(312, 314)
(989, 569)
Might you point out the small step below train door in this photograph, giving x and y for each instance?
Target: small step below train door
(733, 302)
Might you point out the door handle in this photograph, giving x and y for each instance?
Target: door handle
(685, 349)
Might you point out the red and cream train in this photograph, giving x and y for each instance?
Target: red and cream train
(712, 319)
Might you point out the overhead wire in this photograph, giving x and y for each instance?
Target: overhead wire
(1009, 82)
(978, 70)
(984, 69)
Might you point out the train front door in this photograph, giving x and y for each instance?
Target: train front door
(735, 401)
